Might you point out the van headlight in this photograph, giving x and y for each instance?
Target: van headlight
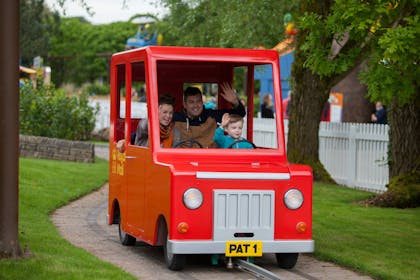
(193, 198)
(293, 199)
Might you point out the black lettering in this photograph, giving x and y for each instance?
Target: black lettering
(232, 247)
(255, 248)
(246, 247)
(239, 249)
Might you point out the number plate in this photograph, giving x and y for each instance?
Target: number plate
(244, 248)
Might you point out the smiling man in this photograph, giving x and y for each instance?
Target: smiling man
(198, 123)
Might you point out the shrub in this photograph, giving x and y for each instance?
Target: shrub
(97, 89)
(46, 111)
(403, 192)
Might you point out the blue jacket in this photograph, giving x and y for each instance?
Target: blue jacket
(381, 116)
(225, 141)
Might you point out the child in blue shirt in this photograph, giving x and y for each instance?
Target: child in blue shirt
(231, 124)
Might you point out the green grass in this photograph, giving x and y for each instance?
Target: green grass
(99, 142)
(381, 242)
(45, 185)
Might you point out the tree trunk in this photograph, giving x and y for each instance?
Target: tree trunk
(307, 102)
(404, 156)
(9, 126)
(308, 99)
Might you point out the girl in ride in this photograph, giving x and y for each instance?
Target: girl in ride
(166, 126)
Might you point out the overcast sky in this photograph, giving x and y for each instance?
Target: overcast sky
(107, 11)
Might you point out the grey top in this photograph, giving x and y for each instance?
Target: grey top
(142, 133)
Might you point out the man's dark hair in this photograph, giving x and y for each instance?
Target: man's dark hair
(192, 91)
(167, 99)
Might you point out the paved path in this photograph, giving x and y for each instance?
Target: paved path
(83, 223)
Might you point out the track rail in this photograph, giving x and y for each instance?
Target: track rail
(257, 271)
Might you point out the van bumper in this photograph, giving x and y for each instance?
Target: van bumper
(219, 247)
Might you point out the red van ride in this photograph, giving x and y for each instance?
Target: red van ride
(223, 202)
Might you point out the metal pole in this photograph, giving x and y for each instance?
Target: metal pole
(9, 128)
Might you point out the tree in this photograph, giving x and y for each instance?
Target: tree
(9, 143)
(218, 23)
(37, 24)
(334, 38)
(80, 51)
(77, 50)
(311, 91)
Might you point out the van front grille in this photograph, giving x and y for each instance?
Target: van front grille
(243, 214)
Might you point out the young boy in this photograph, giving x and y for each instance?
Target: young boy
(232, 125)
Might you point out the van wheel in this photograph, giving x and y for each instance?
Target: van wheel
(286, 260)
(173, 261)
(125, 238)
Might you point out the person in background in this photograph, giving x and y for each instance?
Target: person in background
(267, 107)
(198, 123)
(209, 103)
(165, 114)
(286, 105)
(134, 94)
(379, 116)
(326, 112)
(232, 125)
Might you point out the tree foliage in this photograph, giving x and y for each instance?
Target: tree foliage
(385, 33)
(81, 51)
(218, 23)
(76, 50)
(37, 25)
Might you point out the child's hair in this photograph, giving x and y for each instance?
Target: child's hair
(233, 118)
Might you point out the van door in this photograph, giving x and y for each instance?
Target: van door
(136, 168)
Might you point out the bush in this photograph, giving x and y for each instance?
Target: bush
(46, 111)
(97, 89)
(403, 192)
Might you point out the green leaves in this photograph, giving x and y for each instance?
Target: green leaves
(48, 112)
(383, 32)
(219, 23)
(81, 51)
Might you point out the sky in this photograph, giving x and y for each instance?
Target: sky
(107, 11)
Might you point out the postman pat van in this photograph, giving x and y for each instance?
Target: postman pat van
(196, 198)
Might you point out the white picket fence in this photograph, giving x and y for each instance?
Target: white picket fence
(103, 116)
(139, 110)
(354, 154)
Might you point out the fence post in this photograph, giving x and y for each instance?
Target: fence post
(352, 157)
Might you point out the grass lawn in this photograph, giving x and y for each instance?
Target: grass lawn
(381, 242)
(45, 185)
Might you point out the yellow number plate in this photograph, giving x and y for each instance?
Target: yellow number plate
(244, 248)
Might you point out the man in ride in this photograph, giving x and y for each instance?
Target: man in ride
(196, 125)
